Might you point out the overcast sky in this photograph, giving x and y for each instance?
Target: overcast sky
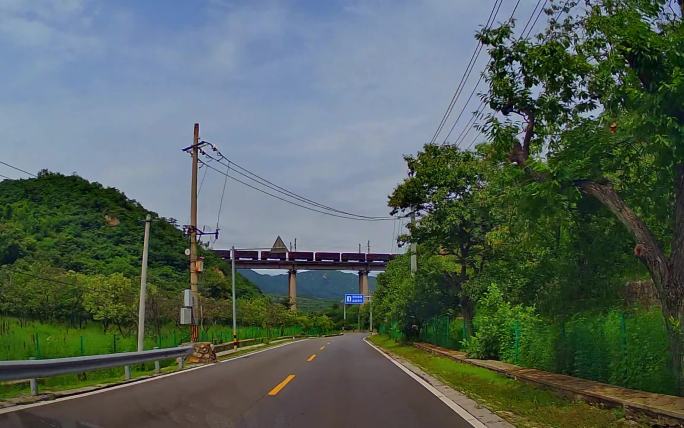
(324, 97)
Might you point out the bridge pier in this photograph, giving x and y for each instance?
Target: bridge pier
(363, 282)
(292, 288)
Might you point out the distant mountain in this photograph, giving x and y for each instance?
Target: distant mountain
(330, 285)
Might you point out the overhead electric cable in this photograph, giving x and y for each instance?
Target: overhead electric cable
(18, 169)
(479, 110)
(204, 175)
(529, 20)
(36, 276)
(472, 93)
(292, 202)
(535, 21)
(466, 74)
(269, 184)
(223, 192)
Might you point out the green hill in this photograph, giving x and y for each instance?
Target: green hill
(313, 284)
(71, 224)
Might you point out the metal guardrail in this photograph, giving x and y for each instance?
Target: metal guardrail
(32, 369)
(220, 347)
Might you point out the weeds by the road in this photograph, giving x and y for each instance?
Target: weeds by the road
(521, 404)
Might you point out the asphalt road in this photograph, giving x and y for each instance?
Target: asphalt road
(346, 384)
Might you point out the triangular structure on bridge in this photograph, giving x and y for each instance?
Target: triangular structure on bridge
(279, 246)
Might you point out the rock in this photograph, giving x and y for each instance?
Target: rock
(203, 353)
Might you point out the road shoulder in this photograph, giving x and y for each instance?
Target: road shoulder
(468, 409)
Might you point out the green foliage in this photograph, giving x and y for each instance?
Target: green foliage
(111, 299)
(70, 223)
(617, 347)
(499, 329)
(70, 252)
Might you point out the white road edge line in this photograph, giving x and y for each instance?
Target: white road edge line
(159, 377)
(463, 413)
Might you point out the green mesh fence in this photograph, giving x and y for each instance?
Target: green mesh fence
(444, 331)
(626, 348)
(25, 339)
(393, 331)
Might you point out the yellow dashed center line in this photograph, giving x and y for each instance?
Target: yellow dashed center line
(281, 385)
(311, 358)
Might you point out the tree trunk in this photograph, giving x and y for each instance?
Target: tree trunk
(667, 273)
(468, 312)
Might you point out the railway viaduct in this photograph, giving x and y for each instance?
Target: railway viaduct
(292, 261)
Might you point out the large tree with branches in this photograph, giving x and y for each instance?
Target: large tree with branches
(445, 190)
(594, 107)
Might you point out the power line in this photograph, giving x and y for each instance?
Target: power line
(535, 20)
(291, 202)
(37, 276)
(560, 13)
(269, 184)
(218, 216)
(472, 93)
(529, 20)
(6, 177)
(18, 169)
(204, 175)
(466, 74)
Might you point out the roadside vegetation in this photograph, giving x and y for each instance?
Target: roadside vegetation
(556, 239)
(521, 404)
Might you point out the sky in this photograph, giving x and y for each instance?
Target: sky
(322, 97)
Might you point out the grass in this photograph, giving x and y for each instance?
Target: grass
(21, 340)
(521, 404)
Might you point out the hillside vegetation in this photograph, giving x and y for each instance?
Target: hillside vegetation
(558, 241)
(326, 285)
(70, 251)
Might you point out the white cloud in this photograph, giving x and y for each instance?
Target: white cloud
(325, 102)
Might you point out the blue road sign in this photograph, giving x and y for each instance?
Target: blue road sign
(353, 299)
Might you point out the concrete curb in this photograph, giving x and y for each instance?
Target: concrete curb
(661, 409)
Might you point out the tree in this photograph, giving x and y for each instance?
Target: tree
(444, 189)
(111, 299)
(598, 100)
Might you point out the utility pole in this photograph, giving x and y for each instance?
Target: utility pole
(369, 245)
(358, 318)
(194, 333)
(295, 244)
(232, 274)
(370, 307)
(414, 248)
(143, 285)
(359, 248)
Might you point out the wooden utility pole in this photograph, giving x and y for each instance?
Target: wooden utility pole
(194, 332)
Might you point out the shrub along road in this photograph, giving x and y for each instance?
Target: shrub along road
(327, 382)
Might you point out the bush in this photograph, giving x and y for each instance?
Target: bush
(499, 328)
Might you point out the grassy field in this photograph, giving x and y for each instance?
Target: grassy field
(25, 339)
(521, 404)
